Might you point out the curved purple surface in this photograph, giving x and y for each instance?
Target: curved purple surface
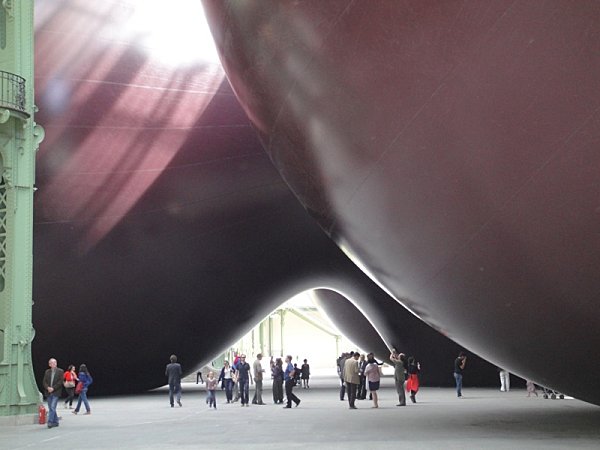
(161, 225)
(406, 333)
(451, 149)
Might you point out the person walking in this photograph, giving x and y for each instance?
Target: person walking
(351, 378)
(412, 384)
(226, 380)
(258, 380)
(85, 377)
(244, 379)
(236, 384)
(373, 378)
(173, 373)
(400, 373)
(70, 380)
(53, 384)
(290, 380)
(211, 387)
(459, 367)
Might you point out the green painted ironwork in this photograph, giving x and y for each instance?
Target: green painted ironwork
(20, 137)
(12, 92)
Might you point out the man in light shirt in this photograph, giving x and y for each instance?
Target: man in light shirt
(258, 379)
(352, 378)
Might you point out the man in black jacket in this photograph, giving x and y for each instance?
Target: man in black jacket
(361, 392)
(174, 373)
(53, 384)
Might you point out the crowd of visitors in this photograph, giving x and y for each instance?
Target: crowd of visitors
(359, 374)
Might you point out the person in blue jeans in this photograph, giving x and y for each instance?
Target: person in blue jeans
(244, 378)
(86, 378)
(290, 382)
(53, 383)
(174, 373)
(459, 367)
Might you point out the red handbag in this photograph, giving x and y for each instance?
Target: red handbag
(79, 387)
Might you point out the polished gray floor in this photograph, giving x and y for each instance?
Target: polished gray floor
(483, 418)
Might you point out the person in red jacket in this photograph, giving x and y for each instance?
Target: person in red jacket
(412, 384)
(69, 382)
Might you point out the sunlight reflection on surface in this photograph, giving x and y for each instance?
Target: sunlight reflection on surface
(175, 33)
(121, 86)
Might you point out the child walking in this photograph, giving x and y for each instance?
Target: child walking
(211, 386)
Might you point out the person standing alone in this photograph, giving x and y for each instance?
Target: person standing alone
(258, 381)
(504, 379)
(459, 367)
(173, 373)
(305, 370)
(53, 384)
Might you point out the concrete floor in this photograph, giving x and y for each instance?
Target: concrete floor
(483, 418)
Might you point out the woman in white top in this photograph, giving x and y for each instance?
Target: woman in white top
(226, 380)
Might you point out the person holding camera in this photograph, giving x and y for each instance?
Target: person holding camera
(459, 367)
(400, 373)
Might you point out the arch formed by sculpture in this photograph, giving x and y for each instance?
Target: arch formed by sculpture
(150, 225)
(451, 150)
(158, 209)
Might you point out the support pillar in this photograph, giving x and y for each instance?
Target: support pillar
(281, 327)
(19, 140)
(261, 336)
(270, 335)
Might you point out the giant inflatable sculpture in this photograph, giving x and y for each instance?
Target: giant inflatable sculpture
(451, 149)
(436, 156)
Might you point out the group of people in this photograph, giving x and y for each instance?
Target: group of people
(235, 379)
(55, 379)
(357, 372)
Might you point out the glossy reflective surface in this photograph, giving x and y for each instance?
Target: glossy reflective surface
(451, 149)
(161, 225)
(396, 328)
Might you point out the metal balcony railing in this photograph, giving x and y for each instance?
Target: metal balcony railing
(12, 91)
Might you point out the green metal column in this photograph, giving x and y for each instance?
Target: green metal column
(19, 140)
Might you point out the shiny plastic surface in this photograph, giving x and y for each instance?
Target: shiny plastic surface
(451, 148)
